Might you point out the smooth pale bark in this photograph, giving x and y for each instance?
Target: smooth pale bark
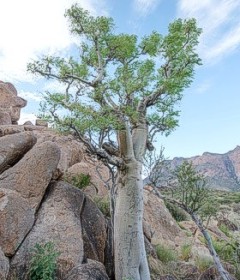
(129, 248)
(130, 255)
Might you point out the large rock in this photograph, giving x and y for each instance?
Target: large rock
(10, 103)
(40, 122)
(10, 129)
(94, 231)
(91, 270)
(13, 129)
(62, 218)
(72, 151)
(4, 266)
(58, 222)
(5, 117)
(158, 224)
(22, 188)
(13, 147)
(99, 176)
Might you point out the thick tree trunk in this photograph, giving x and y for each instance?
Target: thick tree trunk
(130, 256)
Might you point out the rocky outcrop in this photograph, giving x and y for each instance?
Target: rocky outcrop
(40, 122)
(94, 231)
(10, 129)
(5, 117)
(33, 211)
(10, 104)
(4, 265)
(91, 270)
(158, 224)
(21, 191)
(66, 216)
(73, 223)
(99, 176)
(13, 148)
(58, 222)
(72, 151)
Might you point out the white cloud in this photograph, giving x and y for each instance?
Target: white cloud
(27, 117)
(29, 28)
(229, 43)
(144, 7)
(30, 95)
(220, 22)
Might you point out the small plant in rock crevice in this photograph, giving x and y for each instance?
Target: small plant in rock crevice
(80, 181)
(203, 263)
(104, 205)
(43, 262)
(165, 254)
(186, 252)
(225, 230)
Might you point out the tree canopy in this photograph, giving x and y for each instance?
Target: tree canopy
(119, 78)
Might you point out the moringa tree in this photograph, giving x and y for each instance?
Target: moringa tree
(120, 92)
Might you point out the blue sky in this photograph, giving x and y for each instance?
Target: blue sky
(210, 114)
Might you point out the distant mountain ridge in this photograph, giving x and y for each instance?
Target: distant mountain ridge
(222, 171)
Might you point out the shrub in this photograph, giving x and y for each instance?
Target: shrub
(81, 181)
(165, 254)
(186, 250)
(225, 230)
(237, 274)
(203, 263)
(178, 214)
(43, 262)
(225, 251)
(104, 205)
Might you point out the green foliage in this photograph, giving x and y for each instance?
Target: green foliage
(119, 76)
(81, 181)
(43, 262)
(237, 274)
(225, 251)
(191, 189)
(229, 252)
(209, 209)
(178, 214)
(104, 205)
(165, 254)
(203, 262)
(186, 252)
(225, 230)
(225, 197)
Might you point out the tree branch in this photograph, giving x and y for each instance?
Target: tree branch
(100, 153)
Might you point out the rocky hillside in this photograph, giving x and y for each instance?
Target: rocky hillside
(222, 171)
(48, 216)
